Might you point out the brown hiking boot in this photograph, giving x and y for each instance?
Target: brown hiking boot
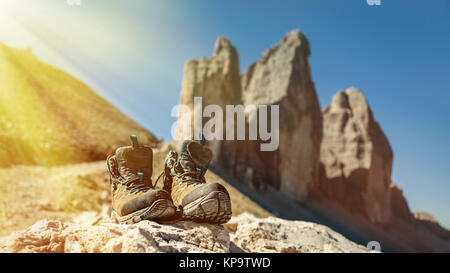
(184, 177)
(134, 197)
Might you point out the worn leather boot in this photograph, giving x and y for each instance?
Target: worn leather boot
(184, 178)
(134, 197)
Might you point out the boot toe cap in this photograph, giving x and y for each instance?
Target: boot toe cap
(203, 191)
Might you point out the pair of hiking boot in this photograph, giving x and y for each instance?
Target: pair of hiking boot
(185, 194)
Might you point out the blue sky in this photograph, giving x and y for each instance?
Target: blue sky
(133, 53)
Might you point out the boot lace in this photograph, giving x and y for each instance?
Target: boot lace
(137, 185)
(189, 178)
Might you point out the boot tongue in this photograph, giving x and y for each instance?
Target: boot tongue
(194, 157)
(135, 162)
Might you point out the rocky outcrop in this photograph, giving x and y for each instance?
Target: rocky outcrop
(399, 205)
(282, 77)
(427, 221)
(248, 234)
(282, 236)
(356, 159)
(338, 158)
(56, 237)
(216, 81)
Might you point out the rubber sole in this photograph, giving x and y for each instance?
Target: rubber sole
(160, 209)
(214, 208)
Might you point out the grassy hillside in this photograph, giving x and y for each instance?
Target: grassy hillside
(48, 117)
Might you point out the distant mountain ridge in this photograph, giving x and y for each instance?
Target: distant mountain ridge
(48, 117)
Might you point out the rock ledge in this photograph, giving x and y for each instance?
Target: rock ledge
(244, 233)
